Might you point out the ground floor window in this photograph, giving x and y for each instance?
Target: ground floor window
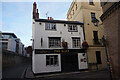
(52, 60)
(98, 57)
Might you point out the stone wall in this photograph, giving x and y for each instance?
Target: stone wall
(10, 59)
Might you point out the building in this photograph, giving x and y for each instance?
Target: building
(111, 22)
(87, 12)
(10, 42)
(57, 45)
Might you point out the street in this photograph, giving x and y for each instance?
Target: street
(100, 74)
(24, 71)
(16, 71)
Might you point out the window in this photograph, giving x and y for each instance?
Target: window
(73, 12)
(95, 34)
(76, 6)
(54, 42)
(92, 16)
(52, 60)
(91, 2)
(72, 28)
(4, 45)
(50, 26)
(76, 42)
(98, 57)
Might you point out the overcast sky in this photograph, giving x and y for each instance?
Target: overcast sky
(17, 16)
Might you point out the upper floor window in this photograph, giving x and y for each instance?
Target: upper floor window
(91, 2)
(72, 28)
(54, 42)
(92, 16)
(76, 6)
(73, 12)
(95, 35)
(50, 26)
(76, 42)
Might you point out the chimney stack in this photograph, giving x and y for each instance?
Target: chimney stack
(35, 14)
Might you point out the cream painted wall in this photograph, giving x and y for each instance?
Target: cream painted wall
(83, 14)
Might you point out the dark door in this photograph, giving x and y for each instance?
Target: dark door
(69, 62)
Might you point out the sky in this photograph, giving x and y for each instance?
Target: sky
(17, 16)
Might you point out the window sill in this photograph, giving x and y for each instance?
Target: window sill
(52, 65)
(51, 29)
(72, 31)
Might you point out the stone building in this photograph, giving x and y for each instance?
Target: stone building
(87, 12)
(111, 22)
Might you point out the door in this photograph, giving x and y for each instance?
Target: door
(69, 62)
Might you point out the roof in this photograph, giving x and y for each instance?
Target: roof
(59, 21)
(7, 33)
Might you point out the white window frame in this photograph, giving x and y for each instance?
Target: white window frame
(72, 28)
(50, 26)
(51, 61)
(54, 42)
(77, 42)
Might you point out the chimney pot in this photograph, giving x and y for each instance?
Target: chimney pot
(37, 10)
(48, 18)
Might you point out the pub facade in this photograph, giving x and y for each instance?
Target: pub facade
(57, 45)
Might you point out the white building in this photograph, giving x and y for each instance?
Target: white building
(10, 42)
(57, 45)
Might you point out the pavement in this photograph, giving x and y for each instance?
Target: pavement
(100, 74)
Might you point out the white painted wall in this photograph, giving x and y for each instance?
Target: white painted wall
(82, 65)
(39, 64)
(40, 32)
(11, 45)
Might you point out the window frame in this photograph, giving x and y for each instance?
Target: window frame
(78, 43)
(50, 26)
(58, 39)
(95, 38)
(55, 61)
(91, 2)
(72, 27)
(92, 16)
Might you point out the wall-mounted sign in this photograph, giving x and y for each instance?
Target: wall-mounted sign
(45, 51)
